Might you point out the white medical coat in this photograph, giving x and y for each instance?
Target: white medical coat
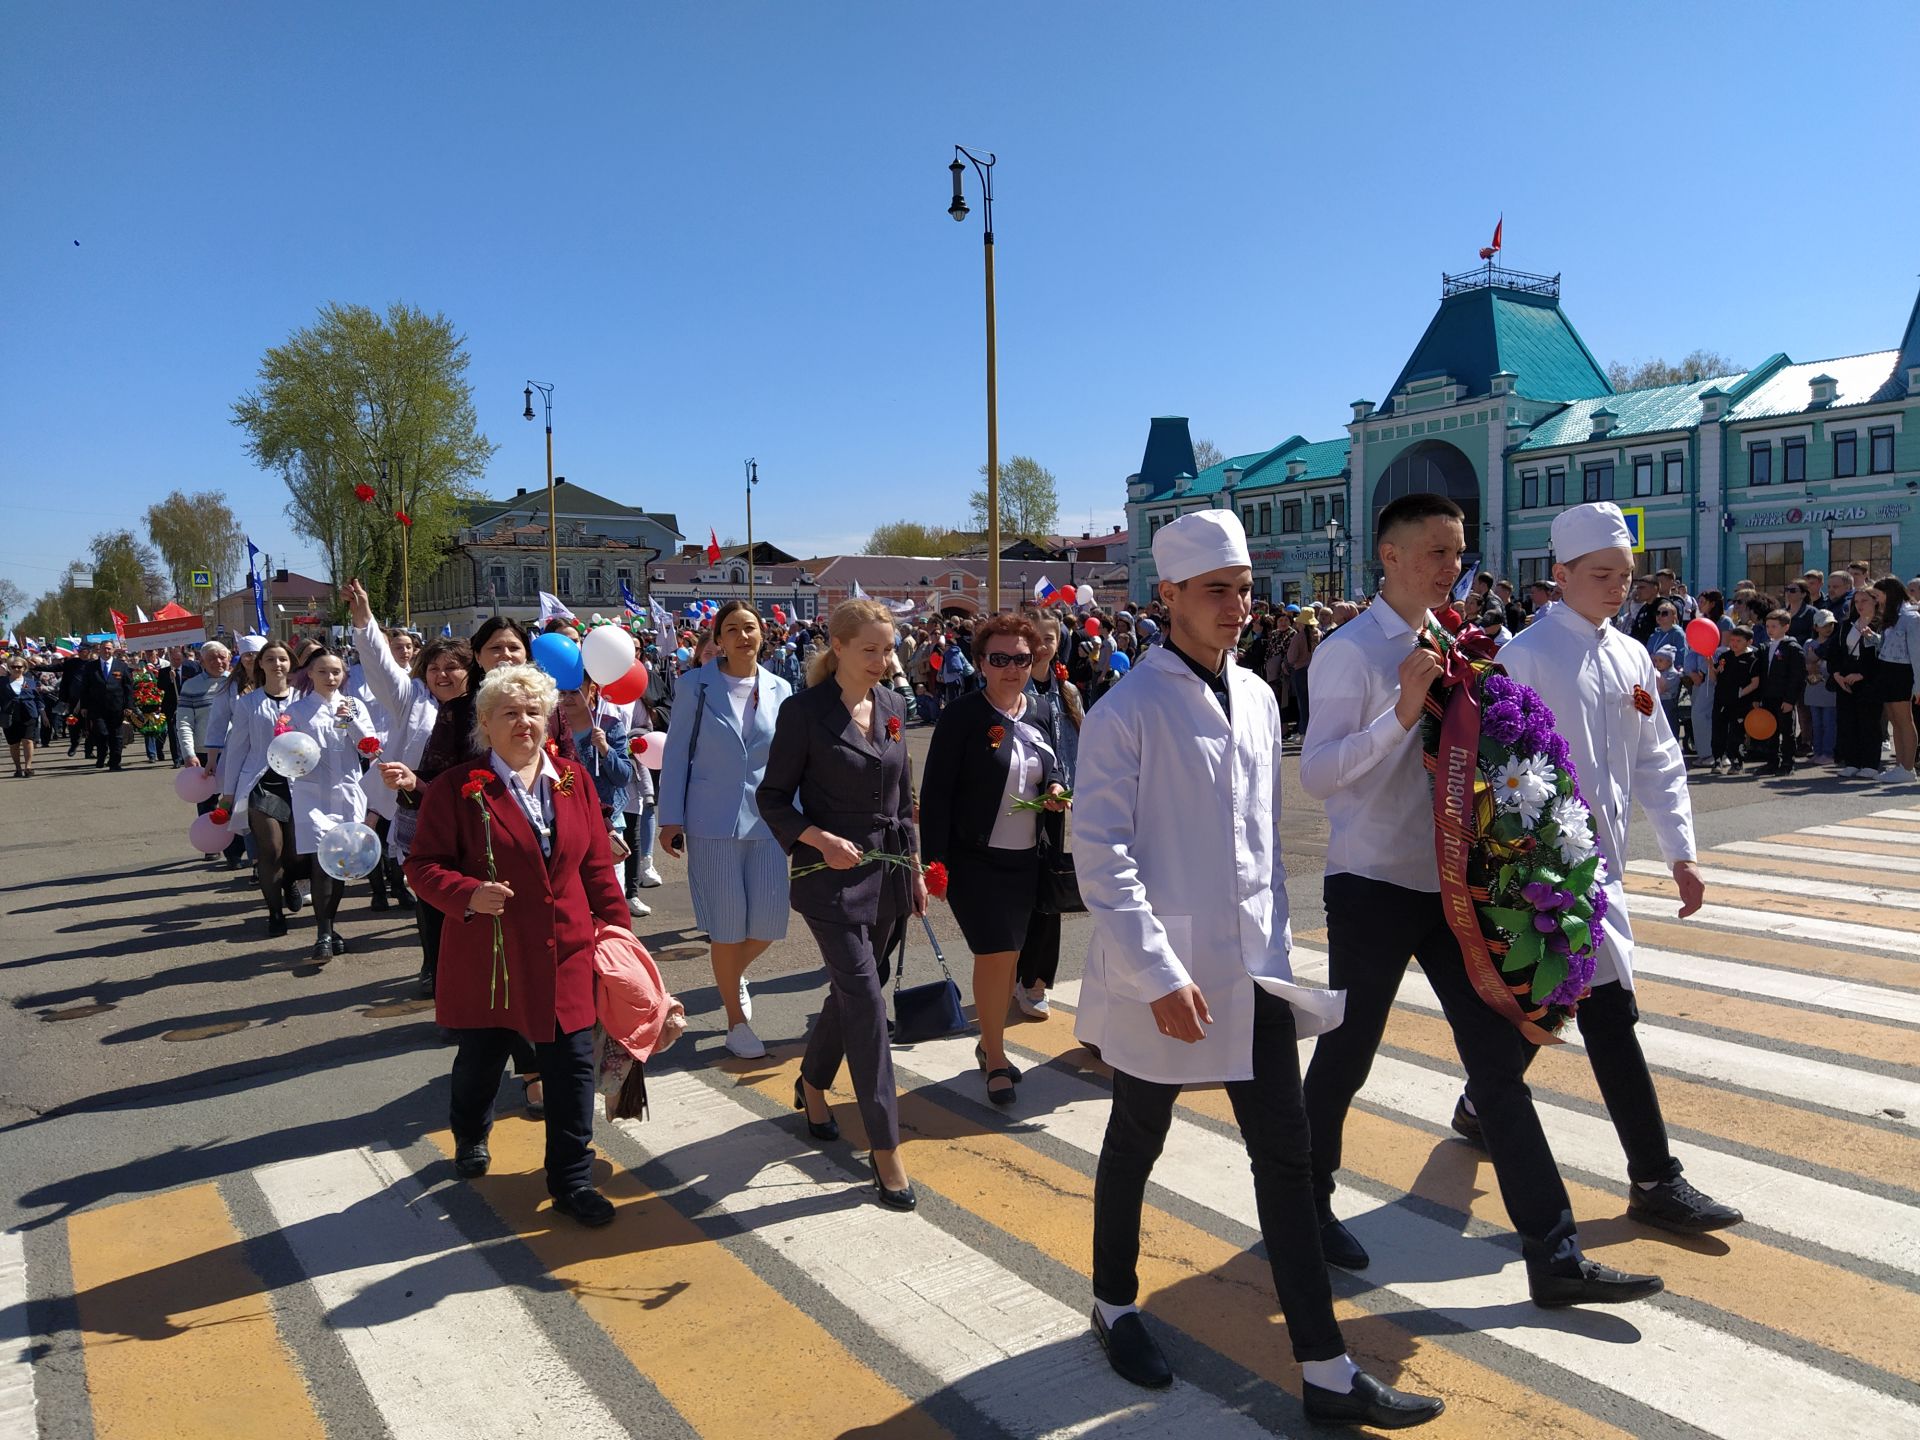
(330, 793)
(1587, 674)
(1175, 816)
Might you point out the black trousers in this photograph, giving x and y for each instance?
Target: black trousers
(1779, 751)
(1607, 1018)
(1040, 950)
(566, 1065)
(1857, 720)
(1371, 929)
(1274, 1128)
(106, 743)
(1729, 732)
(852, 1024)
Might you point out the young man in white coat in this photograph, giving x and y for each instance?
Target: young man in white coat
(1178, 854)
(1599, 684)
(1363, 759)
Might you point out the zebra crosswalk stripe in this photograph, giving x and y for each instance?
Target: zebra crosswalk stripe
(16, 1342)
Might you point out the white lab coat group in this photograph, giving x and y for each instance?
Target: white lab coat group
(1587, 674)
(323, 798)
(1176, 844)
(407, 708)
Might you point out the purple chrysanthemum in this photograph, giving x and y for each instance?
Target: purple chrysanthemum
(1580, 966)
(1504, 723)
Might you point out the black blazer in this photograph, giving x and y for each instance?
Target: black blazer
(824, 770)
(1843, 661)
(966, 776)
(107, 697)
(1784, 681)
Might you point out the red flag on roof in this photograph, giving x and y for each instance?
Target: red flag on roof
(1494, 248)
(713, 547)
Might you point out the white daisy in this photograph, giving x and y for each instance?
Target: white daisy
(1576, 838)
(1526, 786)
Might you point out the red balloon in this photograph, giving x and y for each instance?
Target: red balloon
(629, 687)
(1093, 624)
(1703, 637)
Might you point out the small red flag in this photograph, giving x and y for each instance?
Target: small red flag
(1494, 248)
(713, 547)
(119, 623)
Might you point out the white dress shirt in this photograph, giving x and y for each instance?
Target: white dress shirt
(1361, 763)
(1019, 829)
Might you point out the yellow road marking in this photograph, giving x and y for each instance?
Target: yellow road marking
(1802, 955)
(1813, 907)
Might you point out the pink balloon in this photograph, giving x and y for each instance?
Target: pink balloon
(1703, 637)
(208, 837)
(192, 784)
(1093, 625)
(653, 750)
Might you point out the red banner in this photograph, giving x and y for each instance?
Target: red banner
(163, 633)
(1457, 765)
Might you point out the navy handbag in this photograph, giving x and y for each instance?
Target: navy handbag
(929, 1011)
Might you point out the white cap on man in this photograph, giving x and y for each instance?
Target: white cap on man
(250, 644)
(1197, 543)
(1584, 529)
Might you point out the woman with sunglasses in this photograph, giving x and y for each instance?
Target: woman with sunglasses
(987, 756)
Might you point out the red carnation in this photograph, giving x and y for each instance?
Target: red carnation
(220, 815)
(1059, 671)
(403, 518)
(370, 745)
(1450, 620)
(995, 735)
(637, 745)
(477, 782)
(363, 493)
(553, 748)
(936, 874)
(893, 727)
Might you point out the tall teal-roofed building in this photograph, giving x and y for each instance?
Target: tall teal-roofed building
(1760, 474)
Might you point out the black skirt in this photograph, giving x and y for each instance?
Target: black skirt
(991, 894)
(1894, 681)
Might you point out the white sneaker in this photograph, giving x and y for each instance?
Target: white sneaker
(744, 1043)
(1032, 1003)
(1846, 772)
(1719, 767)
(648, 876)
(638, 906)
(1895, 775)
(746, 999)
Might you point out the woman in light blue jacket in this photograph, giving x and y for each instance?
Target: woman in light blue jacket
(716, 757)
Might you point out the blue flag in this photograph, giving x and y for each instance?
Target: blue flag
(259, 588)
(626, 599)
(447, 631)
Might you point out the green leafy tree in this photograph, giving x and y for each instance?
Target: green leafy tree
(1700, 365)
(377, 406)
(1029, 499)
(126, 575)
(196, 532)
(910, 537)
(13, 603)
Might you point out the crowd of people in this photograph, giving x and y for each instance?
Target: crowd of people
(520, 824)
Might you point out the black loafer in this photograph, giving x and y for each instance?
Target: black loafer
(471, 1159)
(1007, 1093)
(1675, 1205)
(1133, 1352)
(1339, 1246)
(587, 1205)
(379, 902)
(276, 926)
(1369, 1403)
(426, 982)
(980, 1058)
(1591, 1284)
(339, 945)
(322, 951)
(1466, 1124)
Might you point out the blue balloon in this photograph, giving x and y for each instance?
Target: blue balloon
(1119, 664)
(683, 654)
(559, 656)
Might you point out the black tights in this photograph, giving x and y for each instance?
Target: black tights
(326, 900)
(272, 858)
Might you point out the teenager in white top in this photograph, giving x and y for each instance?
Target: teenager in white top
(1363, 759)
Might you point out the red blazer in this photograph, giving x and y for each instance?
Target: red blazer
(549, 922)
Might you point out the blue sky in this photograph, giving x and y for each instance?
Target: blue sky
(719, 228)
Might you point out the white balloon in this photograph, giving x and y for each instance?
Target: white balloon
(348, 851)
(293, 754)
(608, 653)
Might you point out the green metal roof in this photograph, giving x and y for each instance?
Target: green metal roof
(1859, 380)
(1641, 412)
(1477, 333)
(1325, 460)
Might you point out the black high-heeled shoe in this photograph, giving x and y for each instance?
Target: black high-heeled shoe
(830, 1130)
(1006, 1094)
(894, 1199)
(980, 1058)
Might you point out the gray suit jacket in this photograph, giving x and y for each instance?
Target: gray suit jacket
(823, 770)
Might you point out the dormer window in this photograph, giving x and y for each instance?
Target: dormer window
(1824, 387)
(1713, 403)
(1502, 382)
(1603, 422)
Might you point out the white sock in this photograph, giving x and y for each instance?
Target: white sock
(1335, 1374)
(1648, 1184)
(1111, 1313)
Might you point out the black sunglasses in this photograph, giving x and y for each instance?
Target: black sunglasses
(1001, 659)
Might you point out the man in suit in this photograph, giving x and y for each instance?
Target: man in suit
(1783, 685)
(106, 694)
(73, 681)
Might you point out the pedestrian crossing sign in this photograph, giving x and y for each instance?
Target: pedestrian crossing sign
(1637, 527)
(202, 580)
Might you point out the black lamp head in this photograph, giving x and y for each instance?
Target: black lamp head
(529, 412)
(958, 209)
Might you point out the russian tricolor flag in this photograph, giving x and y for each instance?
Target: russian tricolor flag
(1044, 592)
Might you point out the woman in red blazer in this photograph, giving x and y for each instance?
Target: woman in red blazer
(552, 878)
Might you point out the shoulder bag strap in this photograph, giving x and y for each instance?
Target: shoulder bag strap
(693, 741)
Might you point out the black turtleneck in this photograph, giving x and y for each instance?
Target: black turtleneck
(1215, 680)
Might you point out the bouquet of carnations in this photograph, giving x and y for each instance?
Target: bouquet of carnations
(1520, 875)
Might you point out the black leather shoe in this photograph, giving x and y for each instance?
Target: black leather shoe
(828, 1129)
(339, 945)
(894, 1199)
(1466, 1124)
(291, 894)
(1675, 1205)
(428, 975)
(1591, 1284)
(471, 1159)
(276, 925)
(1133, 1352)
(380, 902)
(1339, 1246)
(322, 951)
(980, 1058)
(587, 1205)
(1369, 1403)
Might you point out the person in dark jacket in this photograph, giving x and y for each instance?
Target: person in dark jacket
(1783, 685)
(1852, 659)
(1736, 687)
(20, 705)
(73, 684)
(106, 696)
(838, 788)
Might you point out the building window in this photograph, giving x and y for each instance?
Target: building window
(1246, 518)
(1340, 508)
(1556, 485)
(1876, 550)
(565, 586)
(953, 583)
(1676, 476)
(1651, 561)
(596, 582)
(1596, 482)
(1266, 517)
(1290, 517)
(1534, 567)
(1793, 461)
(1263, 588)
(1880, 450)
(1760, 464)
(1289, 592)
(1319, 512)
(1771, 564)
(497, 580)
(624, 575)
(1643, 476)
(529, 581)
(1846, 455)
(1529, 489)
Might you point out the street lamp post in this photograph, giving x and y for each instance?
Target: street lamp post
(397, 491)
(753, 479)
(553, 525)
(1073, 555)
(1336, 559)
(958, 210)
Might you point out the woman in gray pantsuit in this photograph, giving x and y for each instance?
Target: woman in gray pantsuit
(838, 784)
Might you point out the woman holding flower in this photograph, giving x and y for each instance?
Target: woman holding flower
(255, 795)
(330, 793)
(838, 791)
(512, 850)
(987, 766)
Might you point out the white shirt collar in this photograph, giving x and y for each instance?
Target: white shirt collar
(1566, 615)
(1390, 622)
(548, 771)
